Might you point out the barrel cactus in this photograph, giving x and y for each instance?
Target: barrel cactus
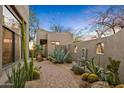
(92, 78)
(36, 74)
(120, 86)
(84, 76)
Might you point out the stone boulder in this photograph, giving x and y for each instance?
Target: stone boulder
(100, 84)
(84, 84)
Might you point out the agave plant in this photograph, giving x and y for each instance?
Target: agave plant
(59, 55)
(92, 67)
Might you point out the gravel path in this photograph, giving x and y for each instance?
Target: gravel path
(53, 76)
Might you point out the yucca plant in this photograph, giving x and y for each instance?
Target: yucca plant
(59, 55)
(17, 76)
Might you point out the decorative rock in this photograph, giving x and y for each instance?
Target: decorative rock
(100, 84)
(84, 84)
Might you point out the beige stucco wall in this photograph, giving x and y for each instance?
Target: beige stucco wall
(114, 47)
(24, 13)
(41, 34)
(64, 38)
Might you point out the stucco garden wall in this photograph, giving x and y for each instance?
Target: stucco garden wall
(64, 38)
(113, 47)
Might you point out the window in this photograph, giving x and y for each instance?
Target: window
(55, 43)
(7, 47)
(100, 48)
(17, 48)
(10, 20)
(11, 37)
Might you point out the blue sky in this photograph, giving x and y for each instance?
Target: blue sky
(70, 16)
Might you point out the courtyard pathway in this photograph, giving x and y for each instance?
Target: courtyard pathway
(55, 76)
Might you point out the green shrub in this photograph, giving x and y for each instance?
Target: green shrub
(59, 56)
(39, 52)
(112, 75)
(39, 49)
(84, 76)
(92, 78)
(18, 76)
(36, 74)
(78, 70)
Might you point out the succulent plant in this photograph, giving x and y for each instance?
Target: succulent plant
(112, 74)
(93, 67)
(59, 55)
(120, 86)
(84, 76)
(92, 78)
(36, 74)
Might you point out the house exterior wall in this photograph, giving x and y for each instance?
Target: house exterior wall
(23, 12)
(113, 47)
(41, 34)
(64, 38)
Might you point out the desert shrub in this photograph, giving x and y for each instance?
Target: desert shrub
(120, 86)
(77, 69)
(92, 78)
(84, 76)
(59, 55)
(39, 48)
(112, 75)
(39, 52)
